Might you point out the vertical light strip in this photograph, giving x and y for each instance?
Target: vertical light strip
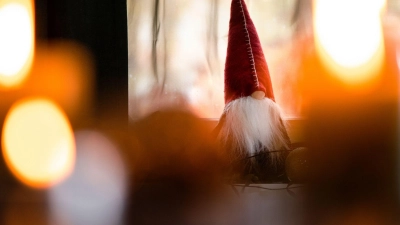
(16, 41)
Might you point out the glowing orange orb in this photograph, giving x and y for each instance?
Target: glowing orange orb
(349, 38)
(16, 41)
(38, 143)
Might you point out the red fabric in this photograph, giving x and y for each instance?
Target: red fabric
(240, 78)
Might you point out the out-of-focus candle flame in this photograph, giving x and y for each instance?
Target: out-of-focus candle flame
(38, 143)
(16, 41)
(349, 38)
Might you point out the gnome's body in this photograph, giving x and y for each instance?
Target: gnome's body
(251, 129)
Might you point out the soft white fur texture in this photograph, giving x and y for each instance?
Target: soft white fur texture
(252, 126)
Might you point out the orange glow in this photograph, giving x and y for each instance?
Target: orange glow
(62, 71)
(38, 143)
(349, 38)
(16, 41)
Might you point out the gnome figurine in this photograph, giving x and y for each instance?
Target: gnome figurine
(251, 126)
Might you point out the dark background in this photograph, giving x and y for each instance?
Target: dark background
(101, 26)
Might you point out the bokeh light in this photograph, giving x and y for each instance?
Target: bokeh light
(63, 72)
(398, 58)
(38, 143)
(95, 192)
(349, 38)
(16, 41)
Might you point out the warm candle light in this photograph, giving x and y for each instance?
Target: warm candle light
(62, 72)
(16, 41)
(38, 143)
(349, 38)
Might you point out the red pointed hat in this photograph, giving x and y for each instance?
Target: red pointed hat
(246, 69)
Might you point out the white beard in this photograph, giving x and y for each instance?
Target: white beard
(253, 126)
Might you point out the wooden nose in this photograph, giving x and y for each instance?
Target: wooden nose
(258, 95)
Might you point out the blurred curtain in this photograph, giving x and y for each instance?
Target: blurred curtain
(177, 49)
